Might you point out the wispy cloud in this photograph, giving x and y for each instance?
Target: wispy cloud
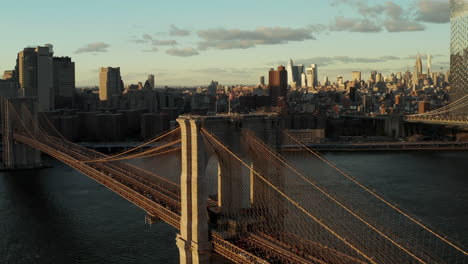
(433, 11)
(355, 25)
(175, 31)
(166, 42)
(95, 47)
(147, 38)
(153, 49)
(182, 52)
(221, 38)
(377, 17)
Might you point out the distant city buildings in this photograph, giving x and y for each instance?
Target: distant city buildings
(110, 83)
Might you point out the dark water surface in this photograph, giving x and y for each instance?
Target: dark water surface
(58, 215)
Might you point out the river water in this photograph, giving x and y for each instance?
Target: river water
(58, 215)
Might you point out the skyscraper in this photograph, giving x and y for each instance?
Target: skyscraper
(417, 70)
(34, 67)
(64, 82)
(356, 76)
(429, 64)
(278, 84)
(303, 80)
(110, 83)
(298, 77)
(459, 49)
(312, 75)
(378, 78)
(289, 68)
(151, 80)
(373, 76)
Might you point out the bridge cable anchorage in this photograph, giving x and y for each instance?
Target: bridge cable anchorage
(208, 134)
(394, 207)
(281, 159)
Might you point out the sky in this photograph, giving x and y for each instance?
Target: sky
(188, 42)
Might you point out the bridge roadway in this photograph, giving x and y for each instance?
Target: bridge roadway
(455, 121)
(461, 121)
(382, 146)
(160, 198)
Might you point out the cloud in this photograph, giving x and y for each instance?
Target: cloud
(424, 55)
(403, 26)
(398, 20)
(375, 18)
(433, 11)
(354, 25)
(93, 48)
(153, 49)
(167, 42)
(175, 31)
(145, 38)
(242, 39)
(393, 10)
(183, 52)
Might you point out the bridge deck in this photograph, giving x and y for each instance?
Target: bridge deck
(157, 196)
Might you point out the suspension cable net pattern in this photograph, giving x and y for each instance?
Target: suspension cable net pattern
(321, 218)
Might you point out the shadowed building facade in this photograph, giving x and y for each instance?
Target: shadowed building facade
(35, 75)
(459, 49)
(64, 82)
(278, 84)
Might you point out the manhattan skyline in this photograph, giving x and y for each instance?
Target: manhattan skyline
(193, 43)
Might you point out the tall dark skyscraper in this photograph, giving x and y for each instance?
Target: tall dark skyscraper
(278, 84)
(459, 49)
(64, 82)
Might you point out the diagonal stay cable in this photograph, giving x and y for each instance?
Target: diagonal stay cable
(376, 195)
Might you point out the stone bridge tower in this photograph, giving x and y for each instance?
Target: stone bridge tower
(193, 240)
(17, 155)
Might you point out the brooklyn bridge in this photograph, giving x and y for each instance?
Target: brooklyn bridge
(266, 207)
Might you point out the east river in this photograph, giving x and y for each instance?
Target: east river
(58, 215)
